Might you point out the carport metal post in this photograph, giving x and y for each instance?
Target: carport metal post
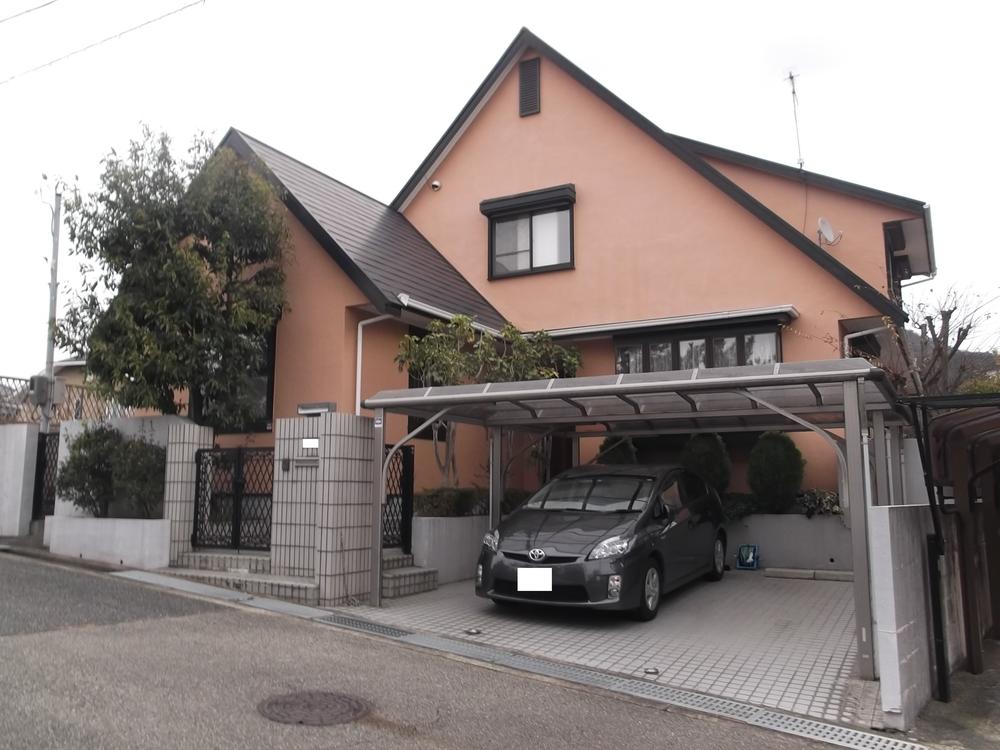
(378, 500)
(496, 475)
(854, 424)
(881, 460)
(896, 464)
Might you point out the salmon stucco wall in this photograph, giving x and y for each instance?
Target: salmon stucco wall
(652, 237)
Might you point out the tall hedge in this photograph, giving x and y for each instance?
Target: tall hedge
(706, 455)
(775, 471)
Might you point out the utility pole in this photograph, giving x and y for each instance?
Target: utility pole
(795, 113)
(50, 342)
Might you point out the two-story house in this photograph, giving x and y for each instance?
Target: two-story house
(553, 204)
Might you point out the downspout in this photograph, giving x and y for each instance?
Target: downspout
(358, 361)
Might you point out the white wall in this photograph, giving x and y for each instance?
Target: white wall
(902, 608)
(451, 545)
(153, 429)
(790, 540)
(18, 450)
(133, 542)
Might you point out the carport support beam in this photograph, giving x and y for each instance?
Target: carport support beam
(881, 460)
(378, 499)
(496, 475)
(896, 464)
(854, 426)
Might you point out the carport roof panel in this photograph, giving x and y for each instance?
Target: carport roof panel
(716, 396)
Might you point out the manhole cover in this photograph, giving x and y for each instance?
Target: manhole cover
(313, 708)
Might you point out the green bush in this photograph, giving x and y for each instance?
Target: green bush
(449, 502)
(622, 453)
(775, 471)
(737, 505)
(85, 478)
(109, 475)
(705, 454)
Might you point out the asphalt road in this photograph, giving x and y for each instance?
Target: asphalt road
(91, 661)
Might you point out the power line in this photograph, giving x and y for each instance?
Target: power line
(26, 12)
(102, 41)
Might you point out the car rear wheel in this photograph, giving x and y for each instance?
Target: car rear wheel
(649, 593)
(718, 559)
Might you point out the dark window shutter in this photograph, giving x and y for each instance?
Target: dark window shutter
(530, 92)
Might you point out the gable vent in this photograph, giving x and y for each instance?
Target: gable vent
(530, 92)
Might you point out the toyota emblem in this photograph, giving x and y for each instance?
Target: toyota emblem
(536, 555)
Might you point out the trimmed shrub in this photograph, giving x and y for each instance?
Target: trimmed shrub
(775, 471)
(86, 478)
(623, 453)
(449, 502)
(705, 454)
(109, 475)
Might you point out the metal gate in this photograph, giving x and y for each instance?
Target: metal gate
(233, 498)
(397, 521)
(46, 463)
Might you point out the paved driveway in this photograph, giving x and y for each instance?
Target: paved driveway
(779, 643)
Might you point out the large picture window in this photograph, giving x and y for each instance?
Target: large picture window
(530, 232)
(687, 350)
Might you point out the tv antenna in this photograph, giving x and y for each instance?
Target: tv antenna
(795, 113)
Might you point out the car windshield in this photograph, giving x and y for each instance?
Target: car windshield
(599, 493)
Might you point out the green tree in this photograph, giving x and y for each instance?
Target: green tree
(183, 280)
(775, 472)
(456, 353)
(982, 385)
(706, 455)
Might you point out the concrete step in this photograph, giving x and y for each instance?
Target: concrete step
(408, 580)
(298, 590)
(223, 561)
(396, 560)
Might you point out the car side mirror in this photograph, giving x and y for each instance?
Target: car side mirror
(662, 512)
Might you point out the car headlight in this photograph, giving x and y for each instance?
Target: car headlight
(612, 547)
(492, 539)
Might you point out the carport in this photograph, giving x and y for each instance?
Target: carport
(847, 395)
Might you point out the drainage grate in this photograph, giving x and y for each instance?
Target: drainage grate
(363, 625)
(640, 688)
(313, 708)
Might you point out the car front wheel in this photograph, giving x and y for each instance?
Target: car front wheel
(649, 594)
(718, 559)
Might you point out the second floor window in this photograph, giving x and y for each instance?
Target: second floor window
(530, 232)
(532, 242)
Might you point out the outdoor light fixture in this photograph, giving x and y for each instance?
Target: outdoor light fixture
(315, 409)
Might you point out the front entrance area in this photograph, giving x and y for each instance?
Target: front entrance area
(773, 642)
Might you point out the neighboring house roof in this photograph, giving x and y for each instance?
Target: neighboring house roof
(376, 246)
(684, 149)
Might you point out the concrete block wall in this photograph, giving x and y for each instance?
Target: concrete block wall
(343, 555)
(901, 609)
(294, 495)
(18, 451)
(183, 441)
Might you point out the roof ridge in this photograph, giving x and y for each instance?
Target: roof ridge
(675, 144)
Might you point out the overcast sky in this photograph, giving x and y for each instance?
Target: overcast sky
(898, 96)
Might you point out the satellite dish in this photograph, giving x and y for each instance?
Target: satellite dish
(826, 233)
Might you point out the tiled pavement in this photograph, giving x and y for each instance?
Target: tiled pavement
(778, 643)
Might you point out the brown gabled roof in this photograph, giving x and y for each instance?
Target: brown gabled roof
(375, 245)
(688, 152)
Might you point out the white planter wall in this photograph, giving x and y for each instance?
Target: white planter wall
(449, 544)
(793, 541)
(18, 449)
(133, 542)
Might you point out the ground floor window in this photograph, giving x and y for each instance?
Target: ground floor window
(687, 350)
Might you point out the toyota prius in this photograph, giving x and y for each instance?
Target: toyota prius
(606, 537)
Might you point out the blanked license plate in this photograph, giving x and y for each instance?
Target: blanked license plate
(534, 579)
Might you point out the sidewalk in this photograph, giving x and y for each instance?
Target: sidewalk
(972, 719)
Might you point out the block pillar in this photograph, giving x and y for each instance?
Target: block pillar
(184, 440)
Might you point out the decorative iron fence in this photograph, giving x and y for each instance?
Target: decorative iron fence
(233, 498)
(80, 402)
(46, 463)
(397, 518)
